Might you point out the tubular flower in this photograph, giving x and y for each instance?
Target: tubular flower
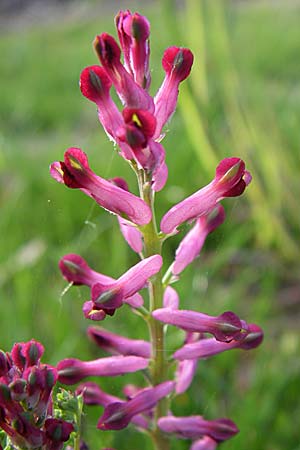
(186, 369)
(230, 181)
(110, 297)
(117, 344)
(76, 270)
(205, 348)
(131, 94)
(177, 63)
(75, 172)
(205, 443)
(192, 243)
(72, 370)
(118, 415)
(133, 32)
(195, 427)
(225, 327)
(171, 298)
(93, 395)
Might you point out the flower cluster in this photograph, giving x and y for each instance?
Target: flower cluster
(26, 404)
(137, 130)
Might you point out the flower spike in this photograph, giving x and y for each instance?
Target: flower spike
(231, 180)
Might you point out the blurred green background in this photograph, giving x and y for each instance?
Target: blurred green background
(242, 99)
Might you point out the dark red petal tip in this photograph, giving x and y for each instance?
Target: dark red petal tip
(94, 83)
(179, 61)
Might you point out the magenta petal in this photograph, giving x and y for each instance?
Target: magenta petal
(117, 344)
(224, 327)
(131, 234)
(184, 375)
(131, 94)
(71, 370)
(205, 443)
(137, 276)
(194, 427)
(206, 348)
(118, 415)
(77, 174)
(76, 270)
(112, 296)
(93, 395)
(135, 301)
(171, 298)
(192, 243)
(92, 313)
(133, 31)
(177, 63)
(229, 181)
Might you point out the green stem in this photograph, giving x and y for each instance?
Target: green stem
(159, 365)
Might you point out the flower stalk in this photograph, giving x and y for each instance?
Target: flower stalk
(138, 130)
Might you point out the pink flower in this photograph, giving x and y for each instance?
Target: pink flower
(185, 374)
(93, 395)
(72, 370)
(193, 242)
(195, 427)
(230, 181)
(186, 369)
(117, 344)
(171, 298)
(205, 443)
(225, 327)
(117, 416)
(76, 270)
(177, 63)
(131, 94)
(110, 297)
(206, 348)
(133, 32)
(75, 172)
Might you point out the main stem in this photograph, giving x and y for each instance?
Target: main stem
(153, 245)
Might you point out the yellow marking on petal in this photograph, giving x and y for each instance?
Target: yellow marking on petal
(75, 163)
(59, 170)
(231, 173)
(136, 120)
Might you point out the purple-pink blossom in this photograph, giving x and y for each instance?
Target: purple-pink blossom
(195, 427)
(72, 370)
(119, 345)
(118, 415)
(225, 327)
(177, 63)
(230, 180)
(110, 297)
(75, 172)
(205, 348)
(191, 245)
